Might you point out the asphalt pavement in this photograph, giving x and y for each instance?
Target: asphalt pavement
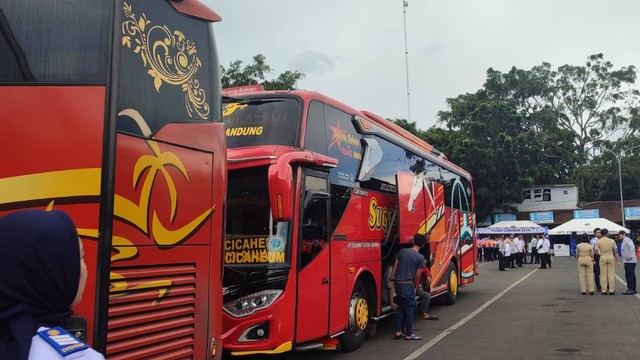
(524, 313)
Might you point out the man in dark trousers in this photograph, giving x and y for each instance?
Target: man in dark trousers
(628, 255)
(405, 274)
(596, 257)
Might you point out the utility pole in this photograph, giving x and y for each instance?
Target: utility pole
(618, 157)
(405, 4)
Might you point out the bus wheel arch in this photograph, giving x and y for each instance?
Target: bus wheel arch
(361, 308)
(452, 288)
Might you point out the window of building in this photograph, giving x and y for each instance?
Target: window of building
(541, 195)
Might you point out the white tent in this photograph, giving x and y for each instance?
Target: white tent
(513, 227)
(580, 226)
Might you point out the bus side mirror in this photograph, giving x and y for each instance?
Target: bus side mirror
(280, 179)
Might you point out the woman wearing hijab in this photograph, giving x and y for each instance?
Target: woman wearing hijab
(44, 275)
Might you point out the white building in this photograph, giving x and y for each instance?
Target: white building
(549, 197)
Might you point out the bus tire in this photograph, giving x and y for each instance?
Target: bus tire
(452, 289)
(372, 329)
(358, 319)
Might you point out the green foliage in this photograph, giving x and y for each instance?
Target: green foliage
(542, 125)
(255, 73)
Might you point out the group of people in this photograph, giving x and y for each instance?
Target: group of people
(410, 278)
(597, 258)
(512, 251)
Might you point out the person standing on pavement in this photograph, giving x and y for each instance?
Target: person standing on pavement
(546, 243)
(584, 253)
(608, 250)
(405, 274)
(628, 254)
(596, 257)
(510, 252)
(501, 258)
(534, 250)
(519, 242)
(543, 251)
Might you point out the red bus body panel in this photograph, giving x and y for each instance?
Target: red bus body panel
(53, 148)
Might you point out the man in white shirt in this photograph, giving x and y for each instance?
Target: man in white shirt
(534, 250)
(507, 252)
(543, 251)
(519, 250)
(501, 259)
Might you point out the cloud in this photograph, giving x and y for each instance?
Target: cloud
(312, 62)
(433, 49)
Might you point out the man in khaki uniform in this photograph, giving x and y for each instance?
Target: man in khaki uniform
(584, 253)
(608, 250)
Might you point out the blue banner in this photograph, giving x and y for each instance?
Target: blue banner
(544, 217)
(632, 213)
(503, 217)
(586, 214)
(485, 222)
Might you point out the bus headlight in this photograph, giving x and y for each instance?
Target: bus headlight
(249, 304)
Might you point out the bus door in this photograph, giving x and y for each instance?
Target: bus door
(312, 314)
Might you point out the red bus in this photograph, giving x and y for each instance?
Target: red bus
(320, 198)
(111, 111)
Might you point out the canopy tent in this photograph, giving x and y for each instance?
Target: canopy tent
(513, 227)
(580, 226)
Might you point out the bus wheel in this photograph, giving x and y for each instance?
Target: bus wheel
(452, 291)
(353, 336)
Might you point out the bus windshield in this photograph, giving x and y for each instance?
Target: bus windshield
(253, 238)
(265, 121)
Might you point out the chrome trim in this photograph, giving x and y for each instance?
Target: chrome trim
(307, 347)
(336, 335)
(235, 161)
(378, 318)
(243, 336)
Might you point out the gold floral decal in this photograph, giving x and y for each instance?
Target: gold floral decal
(171, 57)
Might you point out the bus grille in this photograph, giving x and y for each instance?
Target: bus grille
(152, 315)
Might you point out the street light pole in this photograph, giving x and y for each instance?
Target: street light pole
(619, 159)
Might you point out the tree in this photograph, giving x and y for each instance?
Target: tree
(492, 140)
(255, 73)
(592, 102)
(600, 178)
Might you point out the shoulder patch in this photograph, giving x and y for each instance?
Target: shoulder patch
(63, 342)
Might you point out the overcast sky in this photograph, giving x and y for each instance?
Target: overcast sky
(353, 50)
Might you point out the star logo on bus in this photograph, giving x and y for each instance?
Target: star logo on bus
(338, 136)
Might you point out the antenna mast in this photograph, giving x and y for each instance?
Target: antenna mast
(405, 4)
